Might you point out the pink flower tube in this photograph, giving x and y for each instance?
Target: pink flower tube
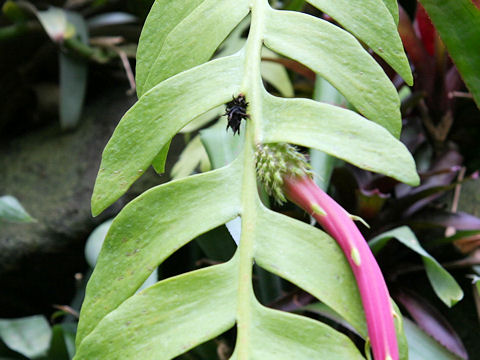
(373, 291)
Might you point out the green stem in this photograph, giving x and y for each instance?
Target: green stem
(16, 30)
(76, 46)
(87, 52)
(252, 87)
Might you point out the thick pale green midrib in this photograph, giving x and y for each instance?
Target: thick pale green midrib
(252, 86)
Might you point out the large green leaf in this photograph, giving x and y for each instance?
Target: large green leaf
(325, 311)
(458, 23)
(371, 22)
(314, 42)
(178, 46)
(442, 282)
(168, 318)
(141, 236)
(276, 335)
(156, 118)
(338, 132)
(316, 253)
(177, 314)
(54, 22)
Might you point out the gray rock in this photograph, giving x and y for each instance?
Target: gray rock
(52, 174)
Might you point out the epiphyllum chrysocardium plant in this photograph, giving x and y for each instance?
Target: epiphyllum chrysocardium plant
(284, 172)
(176, 83)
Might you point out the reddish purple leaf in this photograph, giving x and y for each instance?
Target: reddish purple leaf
(459, 220)
(432, 322)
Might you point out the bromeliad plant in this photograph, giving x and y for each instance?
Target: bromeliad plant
(176, 83)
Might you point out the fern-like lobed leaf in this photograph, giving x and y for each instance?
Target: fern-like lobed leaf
(176, 84)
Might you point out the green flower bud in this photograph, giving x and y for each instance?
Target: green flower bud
(274, 162)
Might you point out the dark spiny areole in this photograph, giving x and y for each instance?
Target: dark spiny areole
(236, 111)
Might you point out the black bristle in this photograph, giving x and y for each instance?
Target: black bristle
(236, 111)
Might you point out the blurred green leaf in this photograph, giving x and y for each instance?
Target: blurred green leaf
(54, 21)
(323, 164)
(8, 354)
(296, 5)
(111, 18)
(222, 148)
(327, 312)
(458, 23)
(73, 77)
(58, 348)
(12, 210)
(442, 282)
(327, 93)
(14, 12)
(204, 119)
(95, 242)
(192, 156)
(158, 162)
(30, 336)
(217, 244)
(422, 347)
(276, 74)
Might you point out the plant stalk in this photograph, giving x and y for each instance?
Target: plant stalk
(252, 89)
(373, 291)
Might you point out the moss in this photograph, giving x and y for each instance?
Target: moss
(52, 174)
